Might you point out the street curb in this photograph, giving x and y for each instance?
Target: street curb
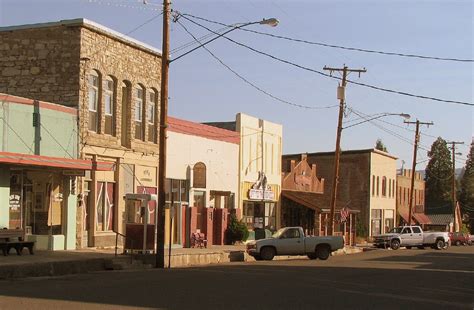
(49, 269)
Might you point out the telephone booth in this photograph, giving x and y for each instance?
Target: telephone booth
(139, 228)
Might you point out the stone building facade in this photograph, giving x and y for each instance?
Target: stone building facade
(114, 82)
(366, 184)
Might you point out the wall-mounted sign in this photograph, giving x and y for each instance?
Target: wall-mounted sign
(76, 173)
(14, 201)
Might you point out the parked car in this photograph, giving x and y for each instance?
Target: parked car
(292, 241)
(471, 240)
(412, 236)
(459, 238)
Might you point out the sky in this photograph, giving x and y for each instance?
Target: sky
(201, 89)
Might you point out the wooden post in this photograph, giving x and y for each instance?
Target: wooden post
(350, 229)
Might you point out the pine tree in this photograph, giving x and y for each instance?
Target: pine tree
(466, 197)
(380, 146)
(438, 177)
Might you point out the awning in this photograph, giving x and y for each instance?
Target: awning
(421, 218)
(306, 199)
(56, 162)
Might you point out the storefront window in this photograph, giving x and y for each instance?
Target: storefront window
(260, 215)
(376, 222)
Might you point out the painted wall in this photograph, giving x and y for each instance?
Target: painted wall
(17, 134)
(4, 195)
(221, 160)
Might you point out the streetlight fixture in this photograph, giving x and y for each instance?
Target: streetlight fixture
(272, 22)
(165, 62)
(404, 115)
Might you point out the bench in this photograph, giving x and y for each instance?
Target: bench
(14, 239)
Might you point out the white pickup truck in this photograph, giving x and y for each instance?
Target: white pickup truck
(412, 236)
(292, 241)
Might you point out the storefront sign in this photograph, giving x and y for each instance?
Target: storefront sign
(76, 173)
(259, 194)
(14, 201)
(146, 175)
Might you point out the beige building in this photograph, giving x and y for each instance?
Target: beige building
(259, 170)
(367, 181)
(114, 82)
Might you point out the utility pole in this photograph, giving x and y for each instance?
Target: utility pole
(160, 233)
(341, 96)
(453, 148)
(413, 167)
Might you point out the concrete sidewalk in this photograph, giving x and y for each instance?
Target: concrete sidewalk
(48, 263)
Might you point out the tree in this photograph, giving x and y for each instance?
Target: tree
(380, 146)
(466, 197)
(438, 177)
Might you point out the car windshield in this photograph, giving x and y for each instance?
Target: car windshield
(278, 233)
(396, 230)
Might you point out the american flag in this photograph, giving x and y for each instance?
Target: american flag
(344, 214)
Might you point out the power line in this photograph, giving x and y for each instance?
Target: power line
(143, 24)
(191, 43)
(250, 83)
(330, 76)
(340, 46)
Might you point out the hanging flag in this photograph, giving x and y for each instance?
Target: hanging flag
(344, 214)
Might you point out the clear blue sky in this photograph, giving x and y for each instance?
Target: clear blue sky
(201, 89)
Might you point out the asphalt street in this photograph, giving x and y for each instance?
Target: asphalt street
(379, 279)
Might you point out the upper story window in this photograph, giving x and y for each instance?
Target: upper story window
(151, 115)
(373, 185)
(109, 98)
(93, 96)
(139, 101)
(378, 186)
(199, 175)
(384, 186)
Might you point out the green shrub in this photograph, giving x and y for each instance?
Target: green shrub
(236, 231)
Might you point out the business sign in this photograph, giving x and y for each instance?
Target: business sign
(74, 173)
(259, 194)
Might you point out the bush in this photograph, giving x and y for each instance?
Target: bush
(236, 231)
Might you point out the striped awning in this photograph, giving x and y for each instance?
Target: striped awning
(56, 162)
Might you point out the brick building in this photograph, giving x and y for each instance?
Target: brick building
(366, 184)
(114, 82)
(403, 198)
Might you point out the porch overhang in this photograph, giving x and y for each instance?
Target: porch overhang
(54, 162)
(307, 199)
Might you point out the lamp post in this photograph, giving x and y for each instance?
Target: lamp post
(160, 236)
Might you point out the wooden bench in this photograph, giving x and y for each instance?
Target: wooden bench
(14, 239)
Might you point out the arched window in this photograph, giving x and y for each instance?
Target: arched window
(109, 105)
(151, 115)
(384, 186)
(93, 85)
(126, 107)
(378, 185)
(199, 175)
(139, 102)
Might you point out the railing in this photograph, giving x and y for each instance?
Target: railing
(124, 243)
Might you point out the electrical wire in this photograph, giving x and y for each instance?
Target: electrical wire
(329, 75)
(250, 83)
(18, 135)
(339, 46)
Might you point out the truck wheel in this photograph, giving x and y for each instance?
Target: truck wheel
(257, 257)
(267, 253)
(395, 244)
(458, 243)
(439, 244)
(323, 252)
(312, 255)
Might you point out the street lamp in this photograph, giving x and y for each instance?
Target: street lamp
(404, 115)
(272, 22)
(160, 235)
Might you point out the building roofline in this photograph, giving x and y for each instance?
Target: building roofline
(361, 151)
(83, 22)
(43, 104)
(186, 127)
